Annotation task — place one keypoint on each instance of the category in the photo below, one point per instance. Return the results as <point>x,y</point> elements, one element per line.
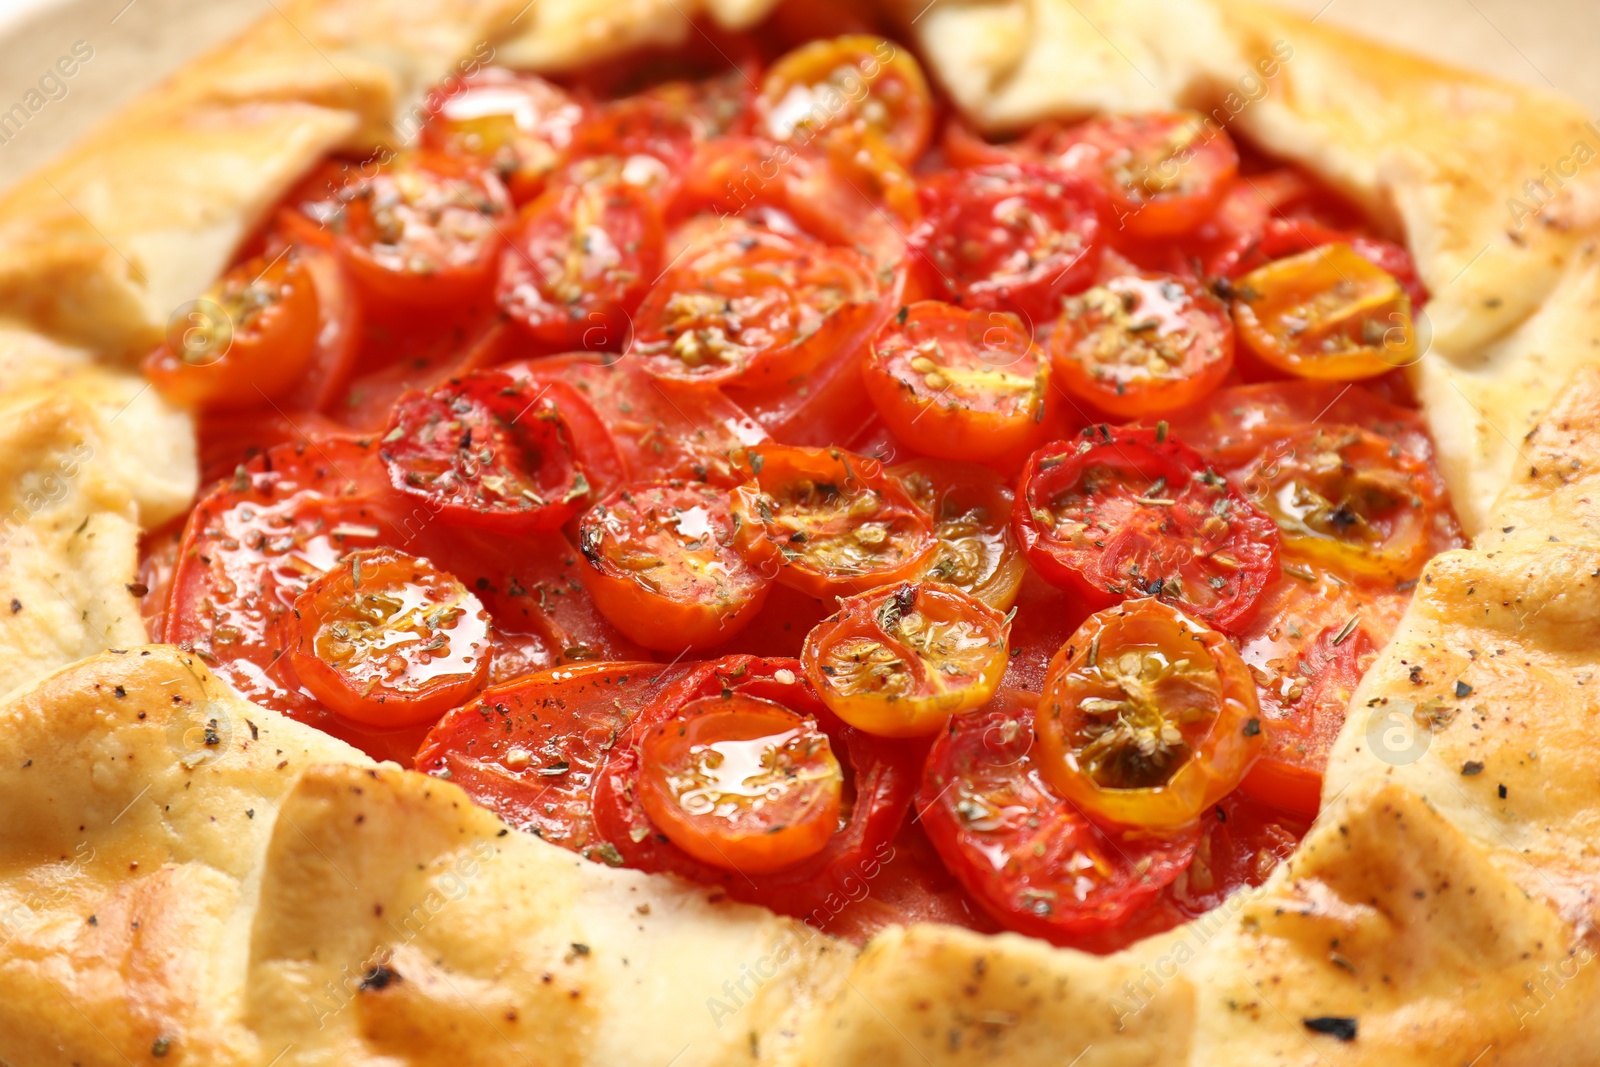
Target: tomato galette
<point>755,475</point>
<point>919,512</point>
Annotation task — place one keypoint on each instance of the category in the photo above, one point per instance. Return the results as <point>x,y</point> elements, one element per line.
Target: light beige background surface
<point>1554,43</point>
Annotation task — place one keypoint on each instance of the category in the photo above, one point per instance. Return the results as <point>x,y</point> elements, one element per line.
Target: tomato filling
<point>765,479</point>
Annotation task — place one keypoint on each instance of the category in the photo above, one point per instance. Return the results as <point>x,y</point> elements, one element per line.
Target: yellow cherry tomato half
<point>899,661</point>
<point>859,87</point>
<point>1347,499</point>
<point>1327,314</point>
<point>1148,717</point>
<point>741,783</point>
<point>387,639</point>
<point>828,522</point>
<point>971,508</point>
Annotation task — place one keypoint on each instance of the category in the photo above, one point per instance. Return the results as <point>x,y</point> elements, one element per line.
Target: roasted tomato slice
<point>663,569</point>
<point>1140,345</point>
<point>832,522</point>
<point>518,125</point>
<point>387,639</point>
<point>1014,237</point>
<point>1328,313</point>
<point>741,783</point>
<point>1165,173</point>
<point>580,262</point>
<point>752,308</point>
<point>1148,717</point>
<point>859,87</point>
<point>900,660</point>
<point>1304,692</point>
<point>1028,855</point>
<point>423,230</point>
<point>1134,512</point>
<point>971,510</point>
<point>663,430</point>
<point>957,384</point>
<point>529,750</point>
<point>1344,498</point>
<point>247,341</point>
<point>487,451</point>
<point>648,140</point>
<point>1350,479</point>
<point>879,778</point>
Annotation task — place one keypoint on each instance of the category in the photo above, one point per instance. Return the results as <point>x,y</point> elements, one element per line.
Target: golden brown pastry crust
<point>1451,921</point>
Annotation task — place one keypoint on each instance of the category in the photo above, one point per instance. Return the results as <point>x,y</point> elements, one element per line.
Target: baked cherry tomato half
<point>1014,237</point>
<point>1305,692</point>
<point>1142,344</point>
<point>750,308</point>
<point>663,430</point>
<point>1148,717</point>
<point>487,451</point>
<point>422,230</point>
<point>858,87</point>
<point>1164,173</point>
<point>663,569</point>
<point>1346,499</point>
<point>1328,313</point>
<point>580,261</point>
<point>1026,853</point>
<point>829,521</point>
<point>648,141</point>
<point>879,779</point>
<point>1133,512</point>
<point>971,510</point>
<point>900,660</point>
<point>247,340</point>
<point>741,783</point>
<point>529,750</point>
<point>388,639</point>
<point>517,125</point>
<point>957,384</point>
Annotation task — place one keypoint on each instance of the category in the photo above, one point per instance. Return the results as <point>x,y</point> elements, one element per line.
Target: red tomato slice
<point>664,430</point>
<point>530,750</point>
<point>905,883</point>
<point>254,544</point>
<point>388,640</point>
<point>247,341</point>
<point>663,568</point>
<point>1140,345</point>
<point>1014,237</point>
<point>490,452</point>
<point>1028,856</point>
<point>1165,173</point>
<point>647,140</point>
<point>900,660</point>
<point>1304,695</point>
<point>1134,512</point>
<point>423,230</point>
<point>338,335</point>
<point>957,384</point>
<point>1148,718</point>
<point>579,263</point>
<point>740,783</point>
<point>517,125</point>
<point>755,307</point>
<point>880,777</point>
<point>829,522</point>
